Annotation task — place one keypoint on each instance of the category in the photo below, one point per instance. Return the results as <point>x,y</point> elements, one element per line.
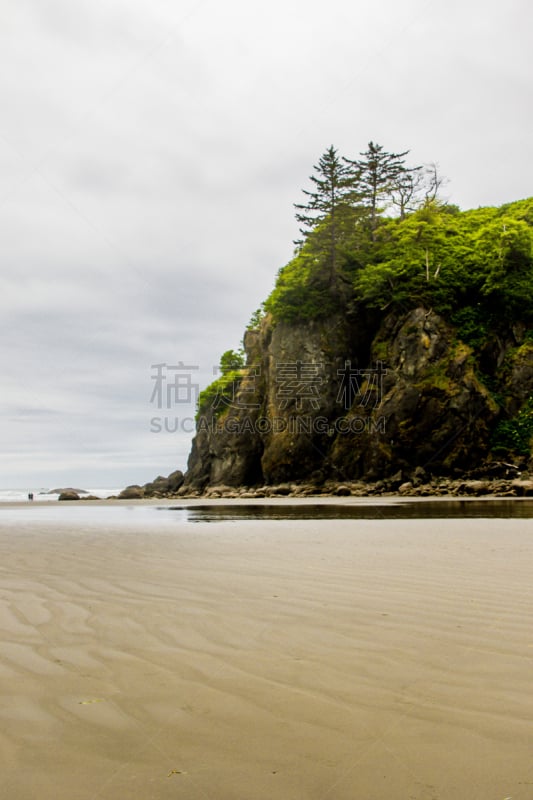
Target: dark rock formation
<point>396,399</point>
<point>162,487</point>
<point>133,492</point>
<point>159,487</point>
<point>68,494</point>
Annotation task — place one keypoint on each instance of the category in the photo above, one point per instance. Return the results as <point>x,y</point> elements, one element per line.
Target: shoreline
<point>189,501</point>
<point>478,484</point>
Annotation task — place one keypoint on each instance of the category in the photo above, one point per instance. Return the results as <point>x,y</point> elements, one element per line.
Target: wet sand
<point>311,660</point>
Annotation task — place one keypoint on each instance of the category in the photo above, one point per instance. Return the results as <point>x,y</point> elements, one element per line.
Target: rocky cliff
<point>365,397</point>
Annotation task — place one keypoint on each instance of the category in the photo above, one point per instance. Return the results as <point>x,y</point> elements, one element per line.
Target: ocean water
<point>42,494</point>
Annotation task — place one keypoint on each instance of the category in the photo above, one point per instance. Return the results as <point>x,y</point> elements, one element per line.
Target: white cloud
<point>150,154</point>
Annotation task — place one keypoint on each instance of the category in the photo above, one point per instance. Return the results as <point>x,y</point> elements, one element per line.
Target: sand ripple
<point>350,660</point>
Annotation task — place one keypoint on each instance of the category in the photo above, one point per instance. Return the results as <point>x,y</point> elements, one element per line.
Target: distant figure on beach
<point>30,496</point>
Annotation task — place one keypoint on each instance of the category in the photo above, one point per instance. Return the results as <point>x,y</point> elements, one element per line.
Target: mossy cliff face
<point>434,412</point>
<point>360,399</point>
<point>517,375</point>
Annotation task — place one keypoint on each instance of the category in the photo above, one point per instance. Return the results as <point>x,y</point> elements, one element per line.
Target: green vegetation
<point>255,320</point>
<point>323,214</point>
<point>473,266</point>
<point>220,394</point>
<point>380,175</point>
<point>515,435</point>
<point>471,325</point>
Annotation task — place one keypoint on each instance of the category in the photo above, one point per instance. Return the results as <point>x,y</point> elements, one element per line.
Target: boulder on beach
<point>133,492</point>
<point>68,494</point>
<point>164,486</point>
<point>175,480</point>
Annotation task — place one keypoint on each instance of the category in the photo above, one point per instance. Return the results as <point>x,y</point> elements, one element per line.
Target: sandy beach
<point>266,660</point>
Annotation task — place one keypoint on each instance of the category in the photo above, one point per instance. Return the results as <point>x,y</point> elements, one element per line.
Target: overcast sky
<point>151,151</point>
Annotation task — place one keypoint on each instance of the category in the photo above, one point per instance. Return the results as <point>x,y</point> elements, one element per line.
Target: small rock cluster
<point>158,488</point>
<point>497,479</point>
<point>74,494</point>
<point>489,482</point>
<point>518,487</point>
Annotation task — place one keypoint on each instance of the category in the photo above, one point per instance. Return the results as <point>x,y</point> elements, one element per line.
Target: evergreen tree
<point>326,205</point>
<point>377,175</point>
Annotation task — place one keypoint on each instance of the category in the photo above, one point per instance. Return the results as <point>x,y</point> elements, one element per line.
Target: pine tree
<point>332,191</point>
<point>377,175</point>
